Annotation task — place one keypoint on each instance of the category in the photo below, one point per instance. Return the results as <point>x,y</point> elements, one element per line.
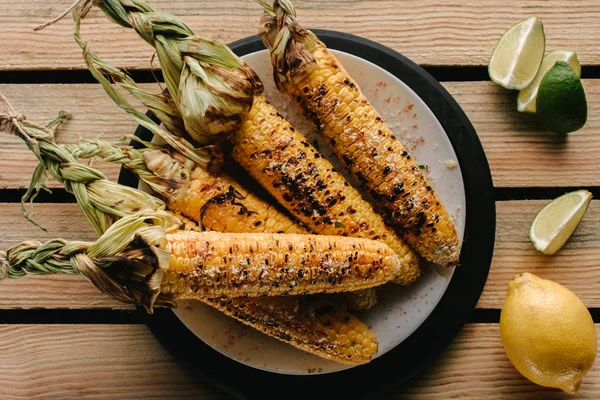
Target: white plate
<point>401,310</point>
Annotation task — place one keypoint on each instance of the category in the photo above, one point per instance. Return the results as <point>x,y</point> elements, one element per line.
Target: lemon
<point>555,223</point>
<point>547,332</point>
<point>518,55</point>
<point>528,96</point>
<point>561,103</point>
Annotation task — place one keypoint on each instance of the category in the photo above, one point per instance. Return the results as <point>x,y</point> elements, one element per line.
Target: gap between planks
<point>520,154</point>
<point>430,32</point>
<point>126,361</point>
<point>575,266</point>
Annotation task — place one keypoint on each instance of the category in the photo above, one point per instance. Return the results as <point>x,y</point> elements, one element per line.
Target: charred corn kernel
<point>383,166</point>
<point>307,185</point>
<point>220,204</point>
<point>312,326</point>
<point>277,264</point>
<point>306,70</point>
<point>281,317</point>
<point>308,323</point>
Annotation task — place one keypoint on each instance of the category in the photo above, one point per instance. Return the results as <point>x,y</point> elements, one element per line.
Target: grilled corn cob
<point>310,74</point>
<point>307,325</point>
<point>216,201</point>
<point>221,206</point>
<point>211,264</point>
<point>307,185</point>
<point>318,327</point>
<point>360,218</point>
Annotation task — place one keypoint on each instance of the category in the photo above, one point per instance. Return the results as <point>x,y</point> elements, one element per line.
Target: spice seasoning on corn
<point>297,329</point>
<point>338,209</point>
<point>305,69</point>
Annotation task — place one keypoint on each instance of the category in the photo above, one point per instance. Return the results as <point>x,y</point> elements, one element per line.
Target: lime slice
<point>561,103</point>
<point>555,223</point>
<point>527,96</point>
<point>518,54</point>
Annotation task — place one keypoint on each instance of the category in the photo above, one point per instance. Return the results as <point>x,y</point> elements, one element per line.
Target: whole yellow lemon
<point>547,332</point>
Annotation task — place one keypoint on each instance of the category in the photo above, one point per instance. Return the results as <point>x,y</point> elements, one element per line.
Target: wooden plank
<point>125,361</point>
<point>91,362</point>
<point>93,114</point>
<point>431,32</point>
<point>475,366</point>
<point>575,266</point>
<point>519,153</point>
<point>57,291</point>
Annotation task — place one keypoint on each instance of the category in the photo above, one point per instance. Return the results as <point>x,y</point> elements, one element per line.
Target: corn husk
<point>290,45</point>
<point>209,157</point>
<point>164,172</point>
<point>127,262</point>
<point>101,200</point>
<point>210,88</point>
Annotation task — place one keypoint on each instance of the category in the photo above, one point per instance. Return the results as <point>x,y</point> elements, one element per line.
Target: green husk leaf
<point>127,262</point>
<point>100,200</point>
<point>290,44</point>
<point>210,86</point>
<point>207,157</point>
<point>168,178</point>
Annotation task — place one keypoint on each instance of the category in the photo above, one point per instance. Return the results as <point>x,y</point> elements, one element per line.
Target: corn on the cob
<point>219,203</point>
<point>215,200</point>
<point>306,326</point>
<point>211,264</point>
<point>358,136</point>
<point>364,224</point>
<point>318,327</point>
<point>292,170</point>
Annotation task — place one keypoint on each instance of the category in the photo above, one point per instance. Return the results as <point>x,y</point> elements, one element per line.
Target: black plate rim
<point>452,312</point>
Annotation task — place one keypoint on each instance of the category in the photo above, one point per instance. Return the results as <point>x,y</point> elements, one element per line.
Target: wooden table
<point>60,338</point>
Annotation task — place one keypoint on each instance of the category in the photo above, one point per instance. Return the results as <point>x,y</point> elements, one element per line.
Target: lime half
<point>518,55</point>
<point>561,103</point>
<point>555,223</point>
<point>527,96</point>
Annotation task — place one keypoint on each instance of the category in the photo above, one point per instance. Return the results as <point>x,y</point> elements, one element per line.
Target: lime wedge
<point>561,103</point>
<point>527,96</point>
<point>555,223</point>
<point>518,55</point>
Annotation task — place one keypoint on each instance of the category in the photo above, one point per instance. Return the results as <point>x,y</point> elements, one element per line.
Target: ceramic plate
<point>401,310</point>
<point>428,121</point>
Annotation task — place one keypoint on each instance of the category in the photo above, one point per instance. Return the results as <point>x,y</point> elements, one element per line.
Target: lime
<point>518,55</point>
<point>527,96</point>
<point>561,102</point>
<point>555,223</point>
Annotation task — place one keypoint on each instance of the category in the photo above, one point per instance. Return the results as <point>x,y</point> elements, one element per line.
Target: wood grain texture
<point>431,32</point>
<point>125,361</point>
<point>93,115</point>
<point>56,291</point>
<point>475,366</point>
<point>575,265</point>
<point>92,362</point>
<point>519,153</point>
